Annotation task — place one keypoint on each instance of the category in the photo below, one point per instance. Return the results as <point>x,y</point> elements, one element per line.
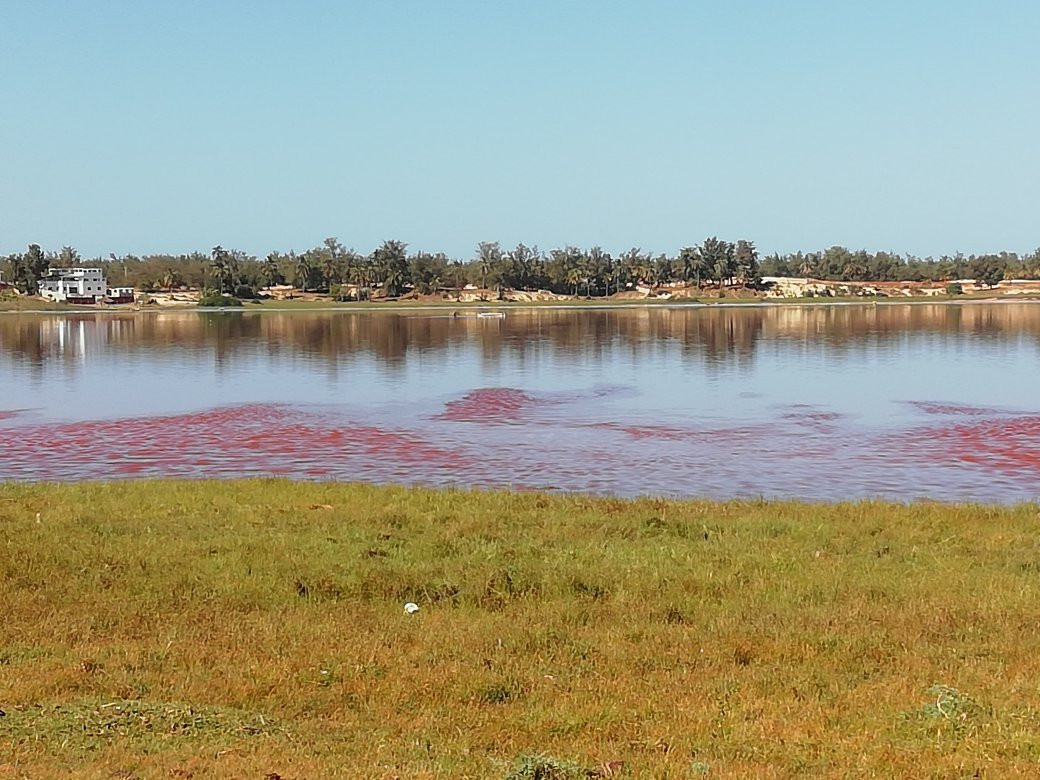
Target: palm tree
<point>270,272</point>
<point>393,281</point>
<point>745,257</point>
<point>359,274</point>
<point>458,276</point>
<point>574,278</point>
<point>854,270</point>
<point>331,266</point>
<point>170,279</point>
<point>391,262</point>
<point>350,259</point>
<point>618,275</point>
<point>489,256</point>
<point>303,271</point>
<point>718,257</point>
<point>224,266</point>
<point>691,264</point>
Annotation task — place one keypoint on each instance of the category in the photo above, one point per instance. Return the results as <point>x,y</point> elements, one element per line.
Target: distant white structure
<point>74,285</point>
<point>82,285</point>
<point>120,294</point>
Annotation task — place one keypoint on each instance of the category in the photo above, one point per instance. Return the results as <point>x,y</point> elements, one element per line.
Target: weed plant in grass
<point>246,629</point>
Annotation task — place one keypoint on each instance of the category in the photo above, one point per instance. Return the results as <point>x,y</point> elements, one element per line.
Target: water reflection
<point>717,336</point>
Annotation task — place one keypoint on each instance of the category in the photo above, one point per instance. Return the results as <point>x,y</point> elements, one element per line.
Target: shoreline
<point>392,307</point>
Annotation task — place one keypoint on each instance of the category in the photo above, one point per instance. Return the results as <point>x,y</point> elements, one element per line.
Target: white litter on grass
<point>411,607</point>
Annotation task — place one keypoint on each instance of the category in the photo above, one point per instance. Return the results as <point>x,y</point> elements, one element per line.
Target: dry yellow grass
<point>255,629</point>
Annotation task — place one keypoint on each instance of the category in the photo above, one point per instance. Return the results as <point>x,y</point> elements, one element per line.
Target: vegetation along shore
<point>257,629</point>
<point>713,269</point>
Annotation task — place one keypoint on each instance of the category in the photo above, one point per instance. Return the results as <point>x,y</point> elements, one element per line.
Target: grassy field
<point>256,630</point>
<point>12,303</point>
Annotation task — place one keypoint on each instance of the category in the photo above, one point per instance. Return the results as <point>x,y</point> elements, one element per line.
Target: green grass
<point>37,304</point>
<point>248,629</point>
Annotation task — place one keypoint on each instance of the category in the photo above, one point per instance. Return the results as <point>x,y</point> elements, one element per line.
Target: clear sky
<point>143,127</point>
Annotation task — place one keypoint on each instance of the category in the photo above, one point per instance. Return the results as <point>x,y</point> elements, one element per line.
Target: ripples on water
<point>687,403</point>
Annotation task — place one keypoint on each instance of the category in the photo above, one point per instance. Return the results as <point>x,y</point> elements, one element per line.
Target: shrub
<point>213,298</point>
<point>546,768</point>
<point>954,288</point>
<point>340,292</point>
<point>500,692</point>
<point>950,704</point>
<point>245,292</point>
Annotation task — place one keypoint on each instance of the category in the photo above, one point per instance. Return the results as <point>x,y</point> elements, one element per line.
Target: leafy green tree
<point>635,265</point>
<point>303,270</point>
<point>332,266</point>
<point>271,271</point>
<point>1031,265</point>
<point>391,262</point>
<point>664,269</point>
<point>832,262</point>
<point>806,264</point>
<point>558,268</point>
<point>691,265</point>
<point>18,275</point>
<point>456,275</point>
<point>617,275</point>
<point>882,268</point>
<point>523,267</point>
<point>719,257</point>
<point>426,271</point>
<point>170,279</point>
<point>359,277</point>
<point>857,267</point>
<point>68,257</point>
<point>595,269</point>
<point>36,262</point>
<point>28,269</point>
<point>989,270</point>
<point>745,257</point>
<point>225,267</point>
<point>489,257</point>
<point>574,278</point>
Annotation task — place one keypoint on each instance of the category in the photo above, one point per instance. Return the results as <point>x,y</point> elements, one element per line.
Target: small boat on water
<point>497,315</point>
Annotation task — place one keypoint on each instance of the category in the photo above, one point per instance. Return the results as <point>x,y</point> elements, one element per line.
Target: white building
<point>78,285</point>
<point>121,294</point>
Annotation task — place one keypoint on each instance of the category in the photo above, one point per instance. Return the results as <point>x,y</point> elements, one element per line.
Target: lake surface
<point>828,403</point>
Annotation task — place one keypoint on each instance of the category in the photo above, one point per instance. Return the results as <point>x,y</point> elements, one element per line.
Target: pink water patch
<point>559,442</point>
<point>233,441</point>
<point>1008,446</point>
<point>492,405</point>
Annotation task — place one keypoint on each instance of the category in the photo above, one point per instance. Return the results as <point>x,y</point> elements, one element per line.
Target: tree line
<point>392,270</point>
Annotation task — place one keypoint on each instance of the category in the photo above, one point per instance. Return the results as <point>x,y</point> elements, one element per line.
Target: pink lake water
<point>819,403</point>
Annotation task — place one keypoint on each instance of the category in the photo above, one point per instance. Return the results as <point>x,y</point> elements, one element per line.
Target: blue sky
<point>173,126</point>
